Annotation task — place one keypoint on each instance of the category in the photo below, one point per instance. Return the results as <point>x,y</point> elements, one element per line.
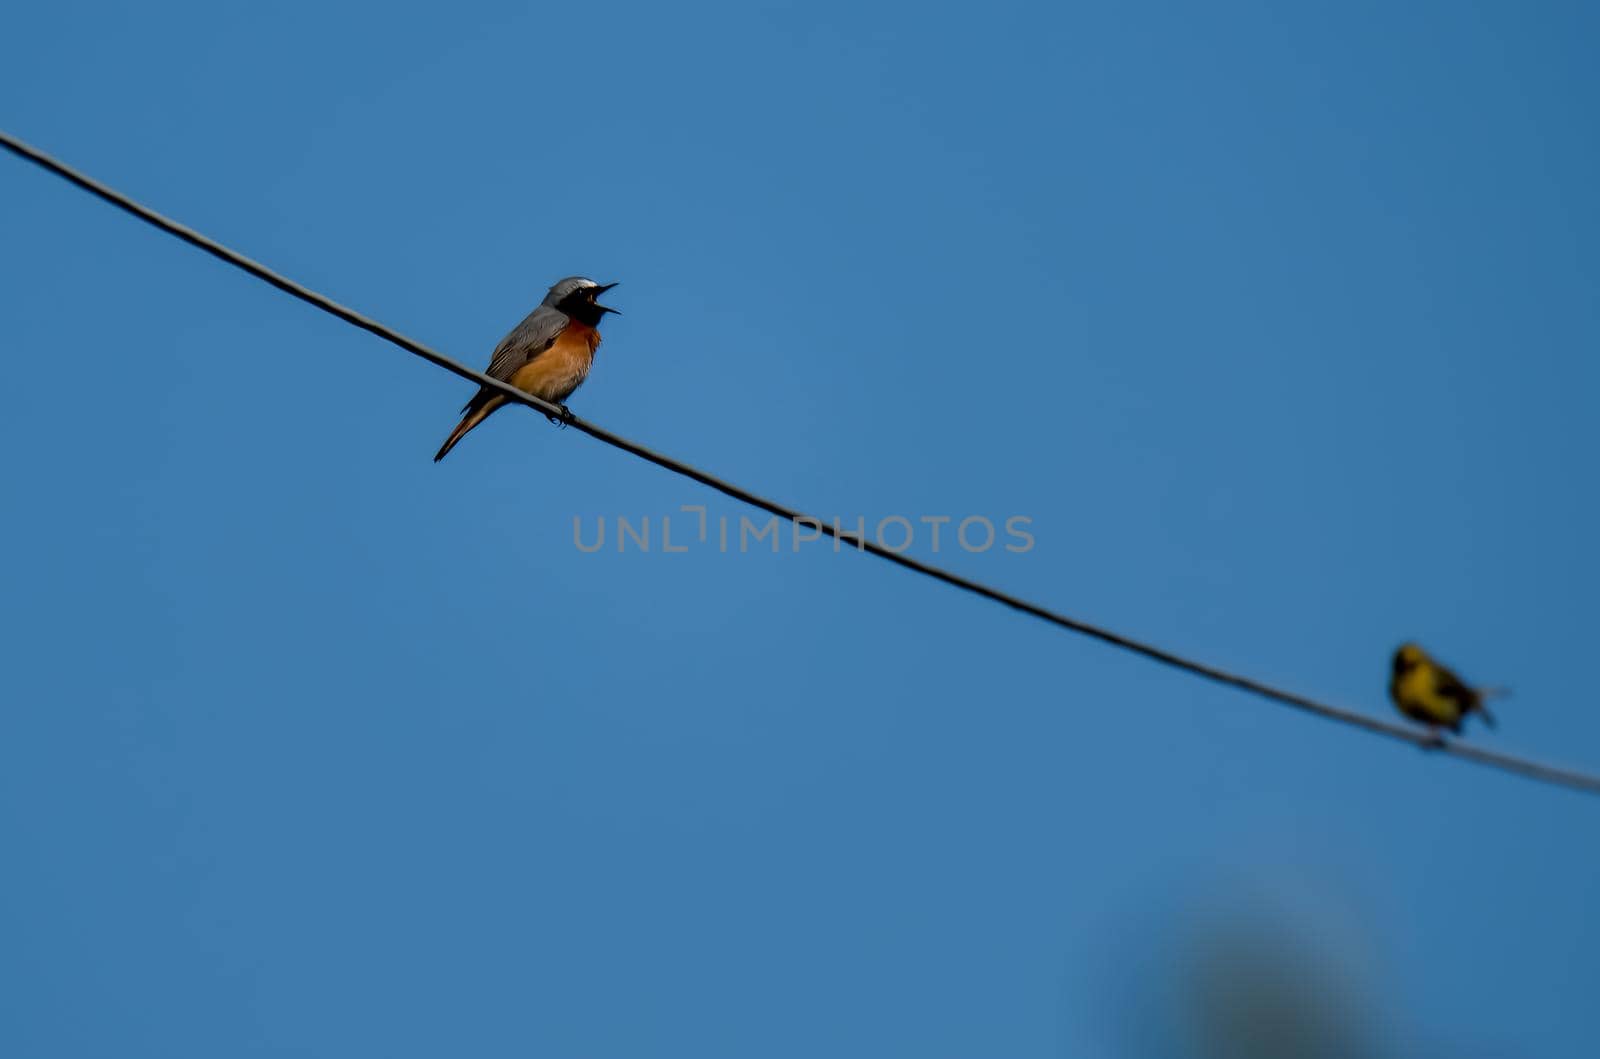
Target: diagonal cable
<point>1428,741</point>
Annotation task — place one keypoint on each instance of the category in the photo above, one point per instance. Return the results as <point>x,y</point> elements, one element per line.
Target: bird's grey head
<point>576,296</point>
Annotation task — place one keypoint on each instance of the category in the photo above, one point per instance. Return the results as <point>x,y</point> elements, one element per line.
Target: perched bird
<point>547,355</point>
<point>1426,691</point>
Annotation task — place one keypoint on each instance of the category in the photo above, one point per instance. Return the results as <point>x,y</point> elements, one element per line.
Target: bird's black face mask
<point>583,305</point>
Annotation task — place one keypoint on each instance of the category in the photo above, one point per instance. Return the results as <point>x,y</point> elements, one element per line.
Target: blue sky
<point>1279,325</point>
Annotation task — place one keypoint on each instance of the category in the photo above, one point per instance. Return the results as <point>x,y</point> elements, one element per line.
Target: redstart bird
<point>547,355</point>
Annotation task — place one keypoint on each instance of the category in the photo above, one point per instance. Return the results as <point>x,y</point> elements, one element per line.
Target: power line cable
<point>1428,741</point>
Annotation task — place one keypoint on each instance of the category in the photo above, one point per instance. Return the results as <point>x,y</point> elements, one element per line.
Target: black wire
<point>1426,740</point>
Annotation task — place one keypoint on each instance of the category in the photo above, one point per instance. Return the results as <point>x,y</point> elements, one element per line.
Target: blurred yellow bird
<point>1426,691</point>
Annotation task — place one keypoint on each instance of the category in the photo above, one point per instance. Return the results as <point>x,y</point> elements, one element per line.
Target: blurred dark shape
<point>1266,971</point>
<point>1249,990</point>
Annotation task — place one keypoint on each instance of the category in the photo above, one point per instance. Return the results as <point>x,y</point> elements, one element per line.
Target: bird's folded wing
<point>527,340</point>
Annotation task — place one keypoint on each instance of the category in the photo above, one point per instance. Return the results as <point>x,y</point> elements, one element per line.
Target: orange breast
<point>576,332</point>
<point>559,370</point>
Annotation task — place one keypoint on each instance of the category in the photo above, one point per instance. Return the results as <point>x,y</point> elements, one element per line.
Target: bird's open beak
<point>605,308</point>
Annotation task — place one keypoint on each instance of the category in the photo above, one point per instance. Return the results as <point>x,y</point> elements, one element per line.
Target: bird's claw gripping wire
<point>563,419</point>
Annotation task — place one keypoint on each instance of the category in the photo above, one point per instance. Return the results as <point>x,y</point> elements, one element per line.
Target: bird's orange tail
<point>473,417</point>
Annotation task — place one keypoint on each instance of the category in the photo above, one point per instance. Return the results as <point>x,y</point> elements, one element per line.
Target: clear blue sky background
<point>1280,324</point>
